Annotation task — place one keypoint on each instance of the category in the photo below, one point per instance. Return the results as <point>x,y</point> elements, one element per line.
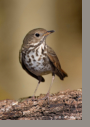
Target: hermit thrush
<point>38,59</point>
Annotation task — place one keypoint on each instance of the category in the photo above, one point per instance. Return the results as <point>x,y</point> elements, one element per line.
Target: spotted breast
<point>37,61</point>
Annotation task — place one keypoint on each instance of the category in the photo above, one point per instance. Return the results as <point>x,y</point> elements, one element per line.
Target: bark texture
<point>64,105</point>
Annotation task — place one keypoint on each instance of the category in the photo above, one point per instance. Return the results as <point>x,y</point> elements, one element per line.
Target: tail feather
<point>61,74</point>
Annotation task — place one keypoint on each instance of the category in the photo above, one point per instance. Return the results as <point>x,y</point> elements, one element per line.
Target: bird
<point>38,59</point>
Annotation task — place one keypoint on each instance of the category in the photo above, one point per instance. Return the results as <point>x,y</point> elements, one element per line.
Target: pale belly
<point>37,63</point>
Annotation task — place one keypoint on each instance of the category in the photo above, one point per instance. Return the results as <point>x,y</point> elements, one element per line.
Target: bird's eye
<point>37,34</point>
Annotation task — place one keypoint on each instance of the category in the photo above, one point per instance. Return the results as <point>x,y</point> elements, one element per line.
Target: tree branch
<point>64,105</point>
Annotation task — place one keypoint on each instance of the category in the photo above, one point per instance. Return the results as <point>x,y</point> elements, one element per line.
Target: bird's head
<point>36,36</point>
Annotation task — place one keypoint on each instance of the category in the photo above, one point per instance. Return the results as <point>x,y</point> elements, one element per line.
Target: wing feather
<point>55,61</point>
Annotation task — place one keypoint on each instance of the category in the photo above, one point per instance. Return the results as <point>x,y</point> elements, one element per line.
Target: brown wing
<point>54,59</point>
<point>30,73</point>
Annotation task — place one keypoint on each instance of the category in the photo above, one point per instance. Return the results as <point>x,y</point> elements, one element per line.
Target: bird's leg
<point>33,98</point>
<point>47,95</point>
<point>53,77</point>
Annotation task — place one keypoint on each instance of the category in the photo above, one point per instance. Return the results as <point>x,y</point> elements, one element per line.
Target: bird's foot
<point>46,97</point>
<point>33,98</point>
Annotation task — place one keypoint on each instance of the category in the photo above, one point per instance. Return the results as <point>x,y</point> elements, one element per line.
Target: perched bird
<point>38,59</point>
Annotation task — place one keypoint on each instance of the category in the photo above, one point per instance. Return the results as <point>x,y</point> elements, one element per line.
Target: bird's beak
<point>49,32</point>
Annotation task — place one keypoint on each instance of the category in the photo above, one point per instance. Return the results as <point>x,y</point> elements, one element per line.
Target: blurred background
<point>17,17</point>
